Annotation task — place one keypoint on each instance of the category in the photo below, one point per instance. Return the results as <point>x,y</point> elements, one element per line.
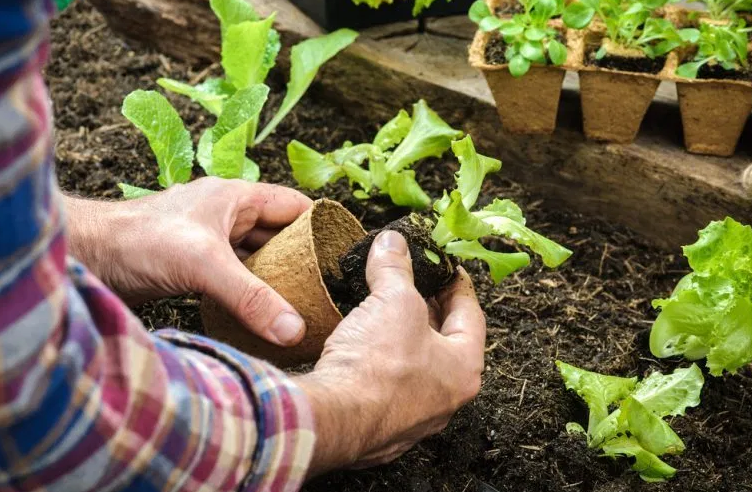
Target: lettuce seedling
<point>458,229</point>
<point>221,149</point>
<point>724,45</point>
<point>626,416</point>
<point>529,37</point>
<point>400,144</point>
<point>250,46</point>
<point>726,9</point>
<point>629,25</point>
<point>418,7</point>
<point>709,314</point>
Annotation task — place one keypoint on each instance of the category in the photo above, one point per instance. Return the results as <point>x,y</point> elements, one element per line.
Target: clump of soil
<point>431,275</point>
<point>594,311</point>
<point>626,63</point>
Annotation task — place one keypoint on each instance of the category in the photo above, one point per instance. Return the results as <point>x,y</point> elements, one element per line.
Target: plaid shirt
<point>89,400</point>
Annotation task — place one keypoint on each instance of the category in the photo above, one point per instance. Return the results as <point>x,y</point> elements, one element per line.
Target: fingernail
<point>287,328</point>
<point>392,241</point>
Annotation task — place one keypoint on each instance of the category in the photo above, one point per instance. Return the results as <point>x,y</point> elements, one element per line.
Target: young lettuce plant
<point>635,428</point>
<point>418,7</point>
<point>529,37</point>
<point>221,150</point>
<point>709,314</point>
<point>726,9</point>
<point>250,46</point>
<point>400,144</point>
<point>724,45</point>
<point>458,229</point>
<point>629,26</point>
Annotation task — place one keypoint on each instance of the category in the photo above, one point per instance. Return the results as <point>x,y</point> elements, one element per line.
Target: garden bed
<point>594,311</point>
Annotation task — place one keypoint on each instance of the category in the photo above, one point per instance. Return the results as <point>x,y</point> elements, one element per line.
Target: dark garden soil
<point>716,71</point>
<point>626,63</point>
<point>594,311</point>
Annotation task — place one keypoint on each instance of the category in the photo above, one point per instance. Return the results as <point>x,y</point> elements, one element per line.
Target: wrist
<point>346,420</point>
<point>95,229</point>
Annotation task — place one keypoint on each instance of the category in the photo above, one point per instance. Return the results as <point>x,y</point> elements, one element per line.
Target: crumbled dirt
<point>716,71</point>
<point>430,275</point>
<point>594,311</point>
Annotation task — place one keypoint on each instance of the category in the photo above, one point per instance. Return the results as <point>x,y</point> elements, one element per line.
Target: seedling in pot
<point>721,10</point>
<point>709,314</point>
<point>632,31</point>
<point>418,7</point>
<point>400,145</point>
<point>250,46</point>
<point>454,233</point>
<point>721,50</point>
<point>635,427</point>
<point>528,37</point>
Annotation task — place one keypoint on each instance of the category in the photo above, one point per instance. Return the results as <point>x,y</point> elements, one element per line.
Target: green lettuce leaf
<point>210,94</point>
<point>652,432</point>
<point>243,60</point>
<point>598,390</point>
<point>305,60</point>
<point>501,265</point>
<point>231,12</point>
<point>670,394</point>
<point>133,192</point>
<point>552,253</point>
<point>310,168</point>
<point>406,192</point>
<point>458,223</point>
<point>222,149</point>
<point>429,136</point>
<point>473,170</point>
<point>168,138</point>
<point>648,465</point>
<point>394,131</point>
<point>708,314</point>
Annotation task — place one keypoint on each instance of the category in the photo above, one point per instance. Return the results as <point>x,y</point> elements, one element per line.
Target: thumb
<point>256,305</point>
<point>389,263</point>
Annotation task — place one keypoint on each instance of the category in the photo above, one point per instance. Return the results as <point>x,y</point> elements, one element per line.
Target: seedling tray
<point>333,14</point>
<point>614,102</point>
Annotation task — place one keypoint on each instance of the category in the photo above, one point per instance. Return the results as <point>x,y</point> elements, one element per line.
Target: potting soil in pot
<point>594,311</point>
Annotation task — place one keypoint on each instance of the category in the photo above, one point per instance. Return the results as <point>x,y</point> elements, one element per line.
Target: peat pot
<point>614,101</point>
<point>526,105</point>
<point>295,263</point>
<point>333,14</point>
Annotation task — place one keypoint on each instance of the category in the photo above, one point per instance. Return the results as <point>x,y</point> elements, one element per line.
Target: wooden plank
<point>652,185</point>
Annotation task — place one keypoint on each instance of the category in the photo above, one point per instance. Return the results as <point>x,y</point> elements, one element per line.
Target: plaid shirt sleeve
<point>89,400</point>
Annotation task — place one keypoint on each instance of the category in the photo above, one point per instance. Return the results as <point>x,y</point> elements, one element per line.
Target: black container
<point>333,14</point>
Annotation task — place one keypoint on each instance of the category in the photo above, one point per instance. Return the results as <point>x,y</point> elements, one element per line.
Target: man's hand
<point>185,239</point>
<point>395,370</point>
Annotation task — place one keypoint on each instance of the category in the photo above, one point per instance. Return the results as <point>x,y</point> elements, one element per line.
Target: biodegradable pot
<point>713,111</point>
<point>333,14</point>
<point>526,105</point>
<point>294,263</point>
<point>614,102</point>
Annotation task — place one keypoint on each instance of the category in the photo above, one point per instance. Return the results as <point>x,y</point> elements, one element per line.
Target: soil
<point>627,63</point>
<point>430,277</point>
<point>594,311</point>
<point>716,71</point>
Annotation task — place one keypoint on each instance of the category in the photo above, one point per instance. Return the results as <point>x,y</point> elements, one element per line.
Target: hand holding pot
<point>393,372</point>
<point>185,239</point>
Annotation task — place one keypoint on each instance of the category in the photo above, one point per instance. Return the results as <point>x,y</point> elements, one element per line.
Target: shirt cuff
<point>284,418</point>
